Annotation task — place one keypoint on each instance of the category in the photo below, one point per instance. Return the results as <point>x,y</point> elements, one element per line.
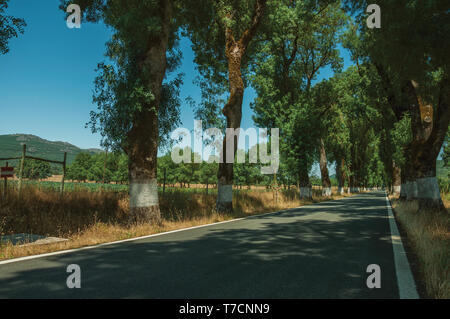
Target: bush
<point>444,185</point>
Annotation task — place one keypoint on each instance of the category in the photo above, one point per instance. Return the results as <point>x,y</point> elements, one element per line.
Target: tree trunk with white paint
<point>340,174</point>
<point>142,139</point>
<point>429,127</point>
<point>411,190</point>
<point>305,184</point>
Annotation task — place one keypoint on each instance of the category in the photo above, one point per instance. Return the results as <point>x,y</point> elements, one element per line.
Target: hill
<point>11,146</point>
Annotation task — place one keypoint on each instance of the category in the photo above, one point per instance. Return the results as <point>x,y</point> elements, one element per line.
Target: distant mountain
<point>11,146</point>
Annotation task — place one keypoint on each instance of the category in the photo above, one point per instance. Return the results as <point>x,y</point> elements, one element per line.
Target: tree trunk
<point>349,181</point>
<point>340,174</point>
<point>326,183</point>
<point>142,140</point>
<point>305,184</point>
<point>429,127</point>
<point>409,178</point>
<point>396,178</point>
<point>233,114</point>
<point>354,184</point>
<point>234,51</point>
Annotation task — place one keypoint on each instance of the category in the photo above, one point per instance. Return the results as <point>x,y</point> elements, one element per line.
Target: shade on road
<point>315,251</point>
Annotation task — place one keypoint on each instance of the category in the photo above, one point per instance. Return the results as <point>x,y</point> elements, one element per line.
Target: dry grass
<point>428,233</point>
<point>89,218</point>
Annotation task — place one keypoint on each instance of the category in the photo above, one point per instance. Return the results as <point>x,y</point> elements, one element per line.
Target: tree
<point>222,33</point>
<point>80,168</point>
<point>10,27</point>
<point>101,167</point>
<point>207,174</point>
<point>136,107</point>
<point>410,53</point>
<point>120,175</point>
<point>301,38</point>
<point>324,101</point>
<point>36,170</point>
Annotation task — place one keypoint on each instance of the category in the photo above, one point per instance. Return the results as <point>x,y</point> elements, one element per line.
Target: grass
<point>428,233</point>
<point>88,218</point>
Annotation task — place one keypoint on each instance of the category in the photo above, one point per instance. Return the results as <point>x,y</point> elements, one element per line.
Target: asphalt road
<point>316,251</point>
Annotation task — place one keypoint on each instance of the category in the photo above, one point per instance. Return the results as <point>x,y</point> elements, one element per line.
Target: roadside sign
<point>7,172</point>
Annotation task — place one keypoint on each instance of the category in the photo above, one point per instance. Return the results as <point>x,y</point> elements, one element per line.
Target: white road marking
<point>405,280</point>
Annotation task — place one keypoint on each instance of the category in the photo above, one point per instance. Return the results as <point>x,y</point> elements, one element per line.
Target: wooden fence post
<point>164,184</point>
<point>64,174</point>
<point>22,161</point>
<point>5,183</point>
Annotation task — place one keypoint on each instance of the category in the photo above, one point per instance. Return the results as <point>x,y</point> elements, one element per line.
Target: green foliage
<point>300,39</point>
<point>207,24</point>
<point>400,136</point>
<point>413,39</point>
<point>111,167</point>
<point>79,169</point>
<point>33,169</point>
<point>10,27</point>
<point>444,184</point>
<point>446,155</point>
<point>186,173</point>
<point>412,44</point>
<point>122,91</point>
<point>207,174</point>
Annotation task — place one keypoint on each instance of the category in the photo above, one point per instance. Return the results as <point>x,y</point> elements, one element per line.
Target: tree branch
<point>257,17</point>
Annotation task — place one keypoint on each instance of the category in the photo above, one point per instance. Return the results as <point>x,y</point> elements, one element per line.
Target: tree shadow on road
<point>320,252</point>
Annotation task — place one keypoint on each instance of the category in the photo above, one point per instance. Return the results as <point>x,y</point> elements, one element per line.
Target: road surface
<point>315,251</point>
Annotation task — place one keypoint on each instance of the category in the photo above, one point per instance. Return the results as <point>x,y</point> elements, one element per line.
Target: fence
<point>25,156</point>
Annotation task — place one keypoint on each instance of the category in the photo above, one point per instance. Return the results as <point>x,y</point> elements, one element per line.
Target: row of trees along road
<point>382,121</point>
<point>407,62</point>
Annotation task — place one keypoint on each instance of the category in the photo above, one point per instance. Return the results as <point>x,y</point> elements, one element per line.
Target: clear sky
<point>47,77</point>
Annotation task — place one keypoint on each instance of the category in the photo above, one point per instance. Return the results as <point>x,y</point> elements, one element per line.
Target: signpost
<point>6,172</point>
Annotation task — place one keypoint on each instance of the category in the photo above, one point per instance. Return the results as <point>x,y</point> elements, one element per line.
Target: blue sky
<point>47,77</point>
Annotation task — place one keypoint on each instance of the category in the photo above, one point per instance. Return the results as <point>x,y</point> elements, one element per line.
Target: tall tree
<point>222,33</point>
<point>410,51</point>
<point>136,107</point>
<point>324,99</point>
<point>301,39</point>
